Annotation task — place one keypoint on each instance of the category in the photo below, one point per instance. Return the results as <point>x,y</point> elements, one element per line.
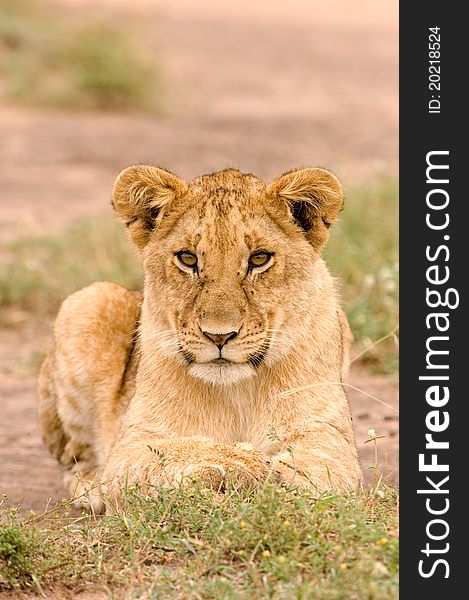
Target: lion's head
<point>232,265</point>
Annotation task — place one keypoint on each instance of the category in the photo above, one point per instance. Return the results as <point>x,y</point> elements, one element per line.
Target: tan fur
<point>268,404</point>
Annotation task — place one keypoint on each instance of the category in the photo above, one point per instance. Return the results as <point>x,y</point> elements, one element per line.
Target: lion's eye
<point>187,259</point>
<point>259,259</point>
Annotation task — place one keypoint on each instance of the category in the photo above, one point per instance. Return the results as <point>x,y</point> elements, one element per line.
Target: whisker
<point>168,344</point>
<point>164,331</point>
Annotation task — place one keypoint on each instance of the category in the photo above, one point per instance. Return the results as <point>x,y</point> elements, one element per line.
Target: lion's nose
<point>220,339</point>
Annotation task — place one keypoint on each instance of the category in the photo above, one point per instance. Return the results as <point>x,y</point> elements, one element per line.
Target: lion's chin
<point>222,373</point>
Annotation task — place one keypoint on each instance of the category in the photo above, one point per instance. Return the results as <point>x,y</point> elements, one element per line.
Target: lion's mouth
<point>255,360</point>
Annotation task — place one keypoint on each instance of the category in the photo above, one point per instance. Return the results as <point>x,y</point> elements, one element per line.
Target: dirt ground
<point>258,87</point>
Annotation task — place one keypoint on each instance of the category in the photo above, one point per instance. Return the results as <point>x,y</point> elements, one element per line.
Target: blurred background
<point>89,88</point>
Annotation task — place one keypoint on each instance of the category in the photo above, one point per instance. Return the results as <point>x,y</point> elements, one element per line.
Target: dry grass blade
<point>349,385</point>
<point>391,334</point>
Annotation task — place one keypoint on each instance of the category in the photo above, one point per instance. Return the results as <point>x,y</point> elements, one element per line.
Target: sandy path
<point>258,85</point>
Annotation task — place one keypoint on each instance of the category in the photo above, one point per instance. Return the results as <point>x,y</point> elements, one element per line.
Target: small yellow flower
<point>266,553</point>
<point>383,541</point>
<point>242,524</point>
<point>286,523</point>
<point>343,566</point>
<point>282,559</point>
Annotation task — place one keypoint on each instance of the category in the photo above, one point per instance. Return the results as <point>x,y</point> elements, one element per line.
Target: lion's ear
<point>314,198</point>
<point>140,193</point>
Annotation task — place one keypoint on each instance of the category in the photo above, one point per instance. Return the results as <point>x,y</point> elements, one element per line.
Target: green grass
<point>192,543</point>
<point>51,59</point>
<point>363,254</point>
<point>40,272</point>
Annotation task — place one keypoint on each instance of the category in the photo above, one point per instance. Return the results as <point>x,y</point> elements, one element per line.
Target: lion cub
<point>229,366</point>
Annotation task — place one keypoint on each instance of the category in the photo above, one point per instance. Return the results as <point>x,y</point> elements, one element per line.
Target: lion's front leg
<point>320,459</point>
<point>152,461</point>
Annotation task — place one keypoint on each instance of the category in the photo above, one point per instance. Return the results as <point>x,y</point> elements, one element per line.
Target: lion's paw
<point>221,467</point>
<point>229,467</point>
<point>85,490</point>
